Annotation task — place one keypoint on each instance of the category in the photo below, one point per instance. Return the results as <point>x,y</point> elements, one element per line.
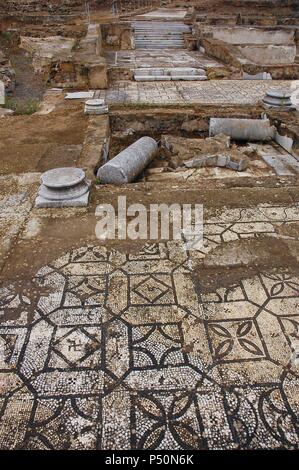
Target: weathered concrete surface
<point>127,165</point>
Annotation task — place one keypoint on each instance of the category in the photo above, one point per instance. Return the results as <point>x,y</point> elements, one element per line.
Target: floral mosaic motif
<point>123,351</point>
<point>281,284</point>
<point>166,422</point>
<point>235,340</point>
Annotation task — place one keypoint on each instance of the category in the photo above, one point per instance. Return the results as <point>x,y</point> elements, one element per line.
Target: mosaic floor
<point>231,92</point>
<point>122,351</point>
<point>153,58</point>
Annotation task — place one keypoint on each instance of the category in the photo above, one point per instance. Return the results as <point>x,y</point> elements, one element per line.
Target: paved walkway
<point>164,14</point>
<point>153,58</point>
<point>221,92</point>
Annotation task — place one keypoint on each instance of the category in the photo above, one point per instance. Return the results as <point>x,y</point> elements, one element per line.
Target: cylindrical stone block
<point>278,99</point>
<point>129,163</point>
<point>249,130</point>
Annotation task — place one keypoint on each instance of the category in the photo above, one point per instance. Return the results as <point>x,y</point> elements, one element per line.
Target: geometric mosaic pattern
<point>213,92</point>
<point>239,223</point>
<point>121,352</point>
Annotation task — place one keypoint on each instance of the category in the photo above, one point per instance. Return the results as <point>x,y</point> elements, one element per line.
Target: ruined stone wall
<point>263,3</point>
<point>29,6</point>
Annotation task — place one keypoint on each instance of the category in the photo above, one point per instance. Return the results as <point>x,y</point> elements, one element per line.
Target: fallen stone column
<point>129,163</point>
<point>249,130</point>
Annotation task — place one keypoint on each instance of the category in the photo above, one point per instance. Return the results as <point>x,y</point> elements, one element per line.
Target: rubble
<point>211,152</point>
<point>220,161</point>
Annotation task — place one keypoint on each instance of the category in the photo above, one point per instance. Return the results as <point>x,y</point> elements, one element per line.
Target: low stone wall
<point>96,145</point>
<point>120,35</point>
<point>269,54</point>
<point>246,35</point>
<point>68,64</point>
<point>44,50</point>
<point>220,50</point>
<point>232,56</point>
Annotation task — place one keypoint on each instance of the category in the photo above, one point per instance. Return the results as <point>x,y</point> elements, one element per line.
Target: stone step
<point>159,36</point>
<point>165,28</point>
<point>165,78</point>
<point>169,31</point>
<point>160,25</point>
<point>162,39</point>
<point>150,46</point>
<point>159,42</point>
<point>166,74</point>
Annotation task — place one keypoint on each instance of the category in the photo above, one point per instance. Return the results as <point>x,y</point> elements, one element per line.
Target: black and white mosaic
<point>121,352</point>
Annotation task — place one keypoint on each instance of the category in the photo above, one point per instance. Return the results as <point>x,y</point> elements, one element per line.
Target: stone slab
<point>63,177</point>
<point>81,95</point>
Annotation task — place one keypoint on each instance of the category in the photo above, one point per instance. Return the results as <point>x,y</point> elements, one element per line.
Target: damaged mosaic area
<point>123,351</point>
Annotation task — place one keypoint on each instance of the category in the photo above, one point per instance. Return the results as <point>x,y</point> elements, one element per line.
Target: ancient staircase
<point>160,34</point>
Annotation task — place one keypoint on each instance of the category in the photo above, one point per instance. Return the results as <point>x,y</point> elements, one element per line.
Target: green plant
<point>5,36</point>
<point>20,107</point>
